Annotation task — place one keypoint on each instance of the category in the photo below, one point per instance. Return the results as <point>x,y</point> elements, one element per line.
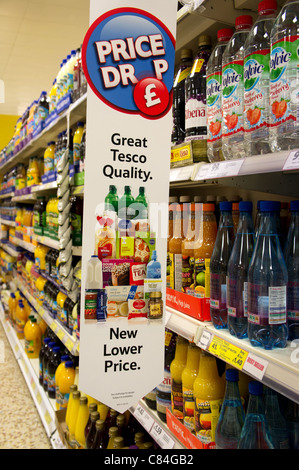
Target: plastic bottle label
<point>283,81</point>
<point>195,116</point>
<point>256,98</point>
<point>177,405</point>
<point>236,298</point>
<point>187,271</point>
<point>218,292</point>
<point>51,383</point>
<point>206,419</point>
<point>202,277</point>
<point>183,75</point>
<point>214,110</point>
<point>188,400</point>
<point>232,98</point>
<point>293,300</point>
<point>267,309</point>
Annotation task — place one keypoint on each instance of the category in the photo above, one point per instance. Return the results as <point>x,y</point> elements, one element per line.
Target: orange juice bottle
<point>203,249</point>
<point>58,374</point>
<point>175,249</point>
<point>188,249</point>
<point>189,375</point>
<point>172,204</point>
<point>81,423</point>
<point>12,305</point>
<point>66,379</point>
<point>73,388</point>
<point>21,318</point>
<point>74,414</point>
<point>176,368</point>
<point>208,390</point>
<point>33,338</point>
<point>27,307</point>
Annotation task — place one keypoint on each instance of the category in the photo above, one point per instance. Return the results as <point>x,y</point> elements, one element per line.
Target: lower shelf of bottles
<point>30,371</point>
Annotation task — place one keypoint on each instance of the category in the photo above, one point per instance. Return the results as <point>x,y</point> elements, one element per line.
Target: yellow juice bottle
<point>66,379</point>
<point>73,388</point>
<point>208,390</point>
<point>58,374</point>
<point>12,304</point>
<point>189,375</point>
<point>82,420</point>
<point>176,369</point>
<point>33,338</point>
<point>74,414</point>
<point>21,318</point>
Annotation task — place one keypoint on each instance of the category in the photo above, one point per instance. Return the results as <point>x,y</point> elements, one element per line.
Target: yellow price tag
<point>228,352</point>
<point>48,417</point>
<point>39,398</point>
<point>53,326</point>
<point>69,344</point>
<point>60,334</point>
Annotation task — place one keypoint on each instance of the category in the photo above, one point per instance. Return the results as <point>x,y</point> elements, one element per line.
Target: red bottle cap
<point>243,21</point>
<point>224,34</point>
<point>266,5</point>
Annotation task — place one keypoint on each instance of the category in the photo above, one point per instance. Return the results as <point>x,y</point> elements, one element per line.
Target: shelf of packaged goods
<point>46,188</point>
<point>9,249</point>
<point>43,240</point>
<point>7,195</point>
<point>30,370</point>
<point>156,428</point>
<point>10,223</point>
<point>26,198</point>
<point>75,112</point>
<point>277,368</point>
<point>26,245</point>
<point>65,337</point>
<point>269,173</point>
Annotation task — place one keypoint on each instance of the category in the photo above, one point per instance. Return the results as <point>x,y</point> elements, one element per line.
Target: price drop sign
<point>128,58</point>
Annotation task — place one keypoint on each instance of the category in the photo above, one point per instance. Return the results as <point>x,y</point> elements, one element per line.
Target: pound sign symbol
<point>149,96</point>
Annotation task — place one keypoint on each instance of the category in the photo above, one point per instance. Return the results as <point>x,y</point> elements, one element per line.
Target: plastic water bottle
<point>218,266</point>
<point>291,256</point>
<point>178,106</point>
<point>237,272</point>
<point>276,422</point>
<point>214,110</point>
<point>233,91</point>
<point>284,121</point>
<point>291,414</point>
<point>255,432</point>
<point>267,284</point>
<point>232,416</point>
<point>257,80</point>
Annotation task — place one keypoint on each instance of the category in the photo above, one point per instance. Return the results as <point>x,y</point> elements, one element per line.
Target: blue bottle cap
<point>294,205</point>
<point>255,388</point>
<point>232,375</point>
<point>47,340</point>
<point>270,206</point>
<point>80,124</point>
<point>65,358</point>
<point>56,349</point>
<point>52,344</point>
<point>225,206</point>
<point>69,364</point>
<point>245,206</point>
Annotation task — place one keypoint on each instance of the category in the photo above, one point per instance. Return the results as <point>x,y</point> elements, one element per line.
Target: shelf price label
<point>143,417</point>
<point>161,437</point>
<point>228,352</point>
<point>292,161</point>
<point>223,169</point>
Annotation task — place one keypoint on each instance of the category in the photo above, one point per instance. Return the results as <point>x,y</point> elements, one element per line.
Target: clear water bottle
<point>267,284</point>
<point>255,432</point>
<point>291,414</point>
<point>291,256</point>
<point>214,110</point>
<point>284,121</point>
<point>218,266</point>
<point>233,91</point>
<point>195,101</point>
<point>237,273</point>
<point>232,416</point>
<point>257,80</point>
<point>276,422</point>
<point>178,106</point>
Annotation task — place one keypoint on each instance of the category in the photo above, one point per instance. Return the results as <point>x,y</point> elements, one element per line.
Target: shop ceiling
<point>35,36</point>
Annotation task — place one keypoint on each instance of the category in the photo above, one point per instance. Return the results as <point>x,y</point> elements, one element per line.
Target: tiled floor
<point>20,424</point>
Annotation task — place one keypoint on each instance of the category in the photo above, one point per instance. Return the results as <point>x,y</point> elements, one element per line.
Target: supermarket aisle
<point>20,424</point>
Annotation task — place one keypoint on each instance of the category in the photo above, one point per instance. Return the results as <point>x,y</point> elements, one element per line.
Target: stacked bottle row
<point>237,100</point>
<point>92,425</point>
<point>222,406</point>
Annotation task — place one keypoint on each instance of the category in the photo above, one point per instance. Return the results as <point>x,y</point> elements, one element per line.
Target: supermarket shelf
<point>6,195</point>
<point>30,198</point>
<point>47,241</point>
<point>26,245</point>
<point>66,338</point>
<point>78,190</point>
<point>30,370</point>
<point>9,249</point>
<point>157,429</point>
<point>44,188</point>
<point>278,368</point>
<point>77,250</point>
<point>11,223</point>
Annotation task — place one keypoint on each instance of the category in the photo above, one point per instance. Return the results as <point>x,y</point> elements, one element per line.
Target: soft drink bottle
<point>257,79</point>
<point>214,110</point>
<point>178,106</point>
<point>291,256</point>
<point>255,432</point>
<point>233,91</point>
<point>195,101</point>
<point>276,422</point>
<point>232,416</point>
<point>267,284</point>
<point>237,272</point>
<point>218,265</point>
<point>284,122</point>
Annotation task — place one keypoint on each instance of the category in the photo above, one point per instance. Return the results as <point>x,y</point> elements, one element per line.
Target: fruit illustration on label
<point>215,127</point>
<point>231,121</point>
<point>254,115</point>
<point>279,108</point>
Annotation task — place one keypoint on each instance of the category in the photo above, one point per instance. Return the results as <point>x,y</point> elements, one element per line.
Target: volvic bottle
<point>218,266</point>
<point>178,106</point>
<point>267,285</point>
<point>255,432</point>
<point>195,101</point>
<point>276,422</point>
<point>291,256</point>
<point>284,122</point>
<point>233,91</point>
<point>232,416</point>
<point>256,80</point>
<point>214,101</point>
<point>237,272</point>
